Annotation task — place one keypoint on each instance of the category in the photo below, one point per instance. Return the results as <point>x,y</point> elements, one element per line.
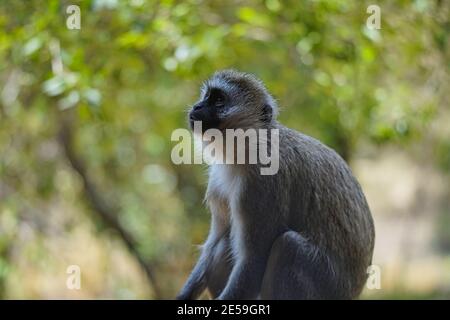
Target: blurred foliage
<point>126,78</point>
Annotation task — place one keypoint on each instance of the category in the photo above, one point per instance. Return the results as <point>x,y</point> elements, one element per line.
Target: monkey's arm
<point>253,242</point>
<point>250,264</point>
<point>197,281</point>
<point>245,279</point>
<point>256,223</point>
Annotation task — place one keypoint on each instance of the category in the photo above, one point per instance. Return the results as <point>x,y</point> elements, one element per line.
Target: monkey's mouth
<point>193,118</point>
<point>205,124</point>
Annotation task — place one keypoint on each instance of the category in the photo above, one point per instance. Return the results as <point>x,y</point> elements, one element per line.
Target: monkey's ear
<point>267,113</point>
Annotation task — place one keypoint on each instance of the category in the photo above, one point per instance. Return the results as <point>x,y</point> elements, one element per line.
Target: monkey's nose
<point>197,107</point>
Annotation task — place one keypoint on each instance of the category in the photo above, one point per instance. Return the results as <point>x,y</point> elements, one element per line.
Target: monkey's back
<point>326,204</point>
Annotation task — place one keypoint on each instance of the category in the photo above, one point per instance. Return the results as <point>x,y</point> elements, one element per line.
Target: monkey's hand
<point>190,291</point>
<point>195,284</point>
<point>244,282</point>
<point>184,296</point>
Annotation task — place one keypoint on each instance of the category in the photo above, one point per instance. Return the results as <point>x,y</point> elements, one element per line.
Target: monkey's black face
<point>210,109</point>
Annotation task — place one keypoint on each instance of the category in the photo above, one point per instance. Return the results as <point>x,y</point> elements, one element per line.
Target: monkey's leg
<point>220,267</point>
<point>296,269</point>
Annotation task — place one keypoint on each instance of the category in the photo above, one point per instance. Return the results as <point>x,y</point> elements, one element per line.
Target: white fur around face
<point>226,183</point>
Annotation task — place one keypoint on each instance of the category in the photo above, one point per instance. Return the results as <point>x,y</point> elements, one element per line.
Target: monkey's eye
<point>216,98</point>
<point>219,102</point>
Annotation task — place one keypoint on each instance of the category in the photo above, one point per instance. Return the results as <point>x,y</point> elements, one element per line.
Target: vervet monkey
<point>305,232</point>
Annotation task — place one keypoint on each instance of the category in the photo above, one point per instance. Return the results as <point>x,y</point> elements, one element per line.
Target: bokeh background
<point>86,117</point>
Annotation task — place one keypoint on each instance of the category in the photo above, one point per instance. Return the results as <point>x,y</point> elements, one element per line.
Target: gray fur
<point>303,233</point>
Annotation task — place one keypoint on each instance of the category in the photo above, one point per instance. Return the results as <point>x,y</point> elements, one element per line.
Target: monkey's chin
<point>204,126</point>
<point>193,126</point>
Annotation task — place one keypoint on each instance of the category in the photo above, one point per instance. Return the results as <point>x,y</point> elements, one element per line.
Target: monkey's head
<point>232,100</point>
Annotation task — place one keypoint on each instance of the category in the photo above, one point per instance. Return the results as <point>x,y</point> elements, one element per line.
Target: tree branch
<point>106,211</point>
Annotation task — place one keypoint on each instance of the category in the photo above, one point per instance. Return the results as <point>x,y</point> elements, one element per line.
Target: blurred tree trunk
<point>106,211</point>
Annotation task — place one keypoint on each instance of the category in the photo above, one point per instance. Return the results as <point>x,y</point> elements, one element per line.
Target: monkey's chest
<point>226,183</point>
<point>225,188</point>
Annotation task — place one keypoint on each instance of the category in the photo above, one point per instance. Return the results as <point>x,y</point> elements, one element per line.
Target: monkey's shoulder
<point>309,164</point>
<point>299,148</point>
